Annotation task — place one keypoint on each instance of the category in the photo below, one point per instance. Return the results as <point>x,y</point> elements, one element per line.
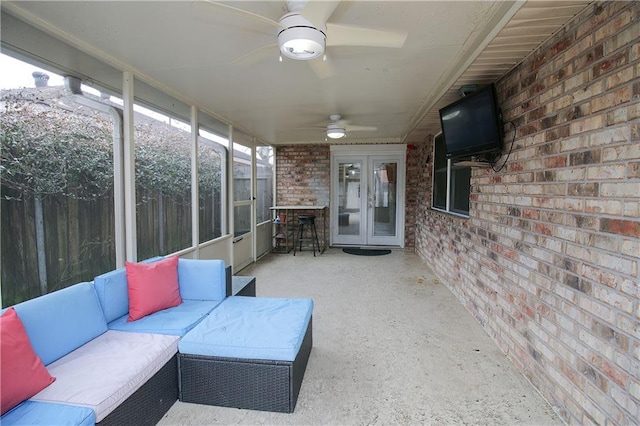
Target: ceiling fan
<point>304,32</point>
<point>338,127</point>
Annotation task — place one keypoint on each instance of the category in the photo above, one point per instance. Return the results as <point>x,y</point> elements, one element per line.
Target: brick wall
<point>303,175</point>
<point>417,190</point>
<point>548,260</point>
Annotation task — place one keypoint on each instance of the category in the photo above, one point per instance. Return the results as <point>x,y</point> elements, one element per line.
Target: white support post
<point>195,230</point>
<point>129,167</point>
<point>254,200</point>
<point>230,196</point>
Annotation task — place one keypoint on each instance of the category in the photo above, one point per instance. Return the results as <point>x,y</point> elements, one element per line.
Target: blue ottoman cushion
<point>251,328</point>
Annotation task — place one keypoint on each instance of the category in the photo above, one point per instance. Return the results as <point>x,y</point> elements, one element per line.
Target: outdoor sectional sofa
<point>112,371</point>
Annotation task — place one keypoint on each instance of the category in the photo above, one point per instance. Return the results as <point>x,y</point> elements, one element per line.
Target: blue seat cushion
<point>60,322</point>
<point>112,291</point>
<point>251,328</point>
<point>176,321</point>
<point>46,413</point>
<point>202,279</point>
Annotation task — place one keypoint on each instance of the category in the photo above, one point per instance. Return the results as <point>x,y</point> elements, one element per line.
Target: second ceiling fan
<point>338,128</point>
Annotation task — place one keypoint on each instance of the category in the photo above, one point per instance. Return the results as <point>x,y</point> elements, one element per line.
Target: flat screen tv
<point>473,125</point>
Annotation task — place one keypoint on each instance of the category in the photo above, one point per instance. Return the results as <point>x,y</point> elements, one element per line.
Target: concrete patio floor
<point>391,345</point>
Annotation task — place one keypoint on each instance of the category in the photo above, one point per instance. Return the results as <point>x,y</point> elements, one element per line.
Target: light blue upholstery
<point>60,322</point>
<point>46,413</point>
<point>202,279</point>
<point>176,321</point>
<point>112,291</point>
<point>202,283</point>
<point>251,328</point>
<point>198,280</point>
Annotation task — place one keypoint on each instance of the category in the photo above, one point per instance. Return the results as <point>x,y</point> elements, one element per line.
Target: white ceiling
<point>189,48</point>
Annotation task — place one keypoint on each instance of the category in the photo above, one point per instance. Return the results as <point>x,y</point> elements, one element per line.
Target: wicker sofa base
<point>252,384</point>
<point>150,402</point>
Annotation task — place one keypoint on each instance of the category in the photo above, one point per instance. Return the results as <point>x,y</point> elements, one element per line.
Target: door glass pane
<point>241,172</point>
<point>384,198</point>
<point>349,198</point>
<point>241,220</point>
<point>439,174</point>
<point>242,158</point>
<point>460,189</point>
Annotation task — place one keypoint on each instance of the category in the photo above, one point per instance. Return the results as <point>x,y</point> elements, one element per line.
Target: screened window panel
<point>163,181</point>
<point>57,187</point>
<point>212,171</point>
<point>265,175</point>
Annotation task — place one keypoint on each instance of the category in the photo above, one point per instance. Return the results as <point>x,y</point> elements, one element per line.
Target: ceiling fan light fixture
<point>300,40</point>
<point>335,131</point>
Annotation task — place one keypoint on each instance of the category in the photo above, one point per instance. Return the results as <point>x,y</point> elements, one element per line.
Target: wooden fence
<point>78,243</point>
<point>79,237</point>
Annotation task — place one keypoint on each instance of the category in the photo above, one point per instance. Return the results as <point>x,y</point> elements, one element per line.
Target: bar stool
<point>310,222</point>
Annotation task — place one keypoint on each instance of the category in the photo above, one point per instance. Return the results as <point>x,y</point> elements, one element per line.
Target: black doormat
<point>366,252</point>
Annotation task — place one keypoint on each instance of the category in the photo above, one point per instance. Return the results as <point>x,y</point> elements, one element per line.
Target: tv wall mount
<point>467,89</point>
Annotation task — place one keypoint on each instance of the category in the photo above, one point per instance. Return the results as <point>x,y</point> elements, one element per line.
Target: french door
<point>367,203</point>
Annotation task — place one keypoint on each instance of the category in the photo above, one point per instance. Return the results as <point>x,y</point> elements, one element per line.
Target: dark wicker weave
<point>228,282</point>
<point>151,401</point>
<point>252,384</point>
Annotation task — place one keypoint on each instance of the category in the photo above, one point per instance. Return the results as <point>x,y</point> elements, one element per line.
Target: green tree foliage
<point>209,169</point>
<point>50,146</point>
<point>48,149</point>
<point>162,158</point>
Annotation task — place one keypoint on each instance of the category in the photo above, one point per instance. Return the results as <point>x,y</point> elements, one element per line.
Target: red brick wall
<point>417,189</point>
<point>303,175</point>
<point>548,260</point>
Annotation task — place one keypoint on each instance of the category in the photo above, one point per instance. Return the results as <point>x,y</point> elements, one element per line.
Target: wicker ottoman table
<point>248,353</point>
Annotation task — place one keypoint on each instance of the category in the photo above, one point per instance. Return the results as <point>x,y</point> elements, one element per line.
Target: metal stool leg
<point>301,236</point>
<point>313,245</point>
<point>309,222</point>
<point>298,241</point>
<point>317,242</point>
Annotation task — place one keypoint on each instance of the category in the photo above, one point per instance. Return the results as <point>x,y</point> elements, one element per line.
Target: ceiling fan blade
<point>257,55</point>
<point>312,128</point>
<point>322,67</point>
<point>244,12</point>
<point>345,35</point>
<point>350,128</point>
<point>318,11</point>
